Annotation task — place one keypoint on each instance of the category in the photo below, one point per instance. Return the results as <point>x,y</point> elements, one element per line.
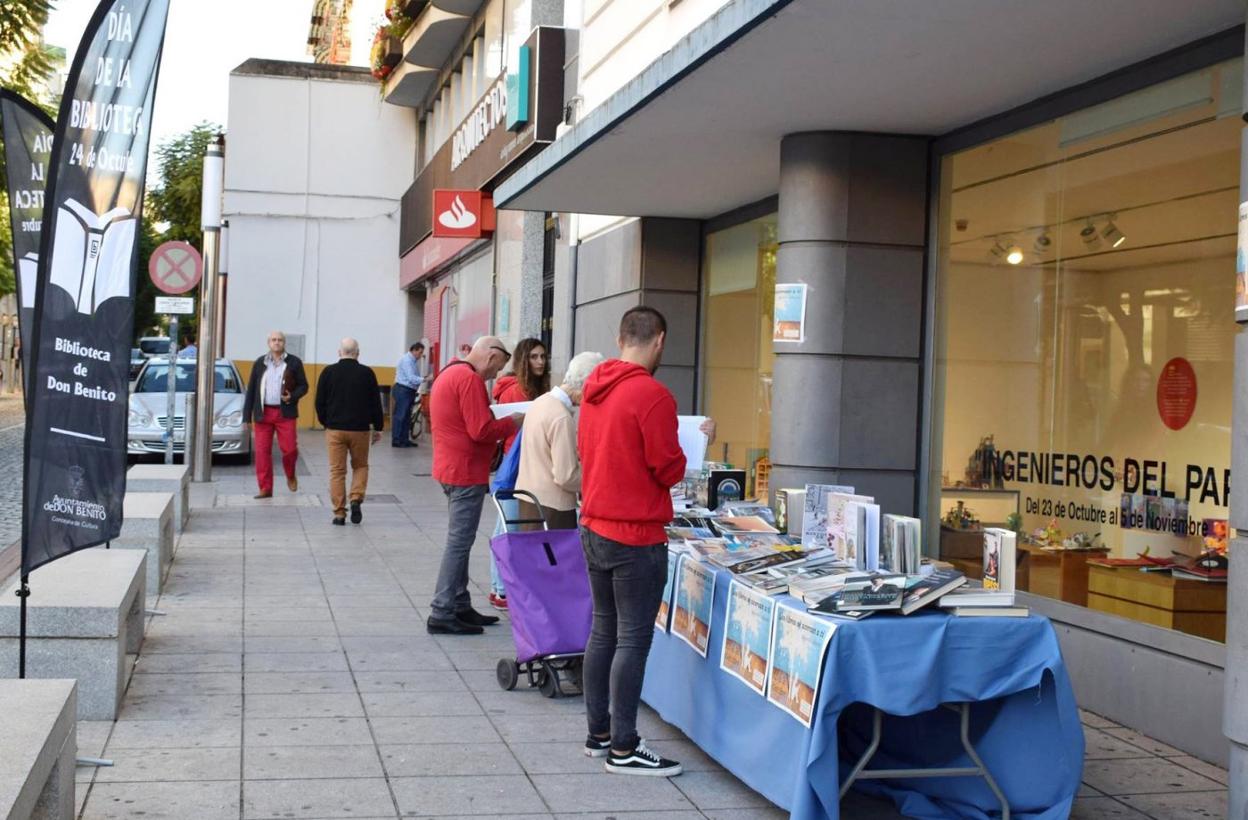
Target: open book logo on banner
<point>28,271</point>
<point>92,254</point>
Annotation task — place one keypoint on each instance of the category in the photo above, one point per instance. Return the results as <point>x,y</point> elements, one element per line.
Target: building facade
<point>312,202</point>
<point>464,72</point>
<point>996,270</point>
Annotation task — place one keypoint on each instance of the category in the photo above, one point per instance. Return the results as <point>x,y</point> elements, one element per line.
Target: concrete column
<point>846,401</point>
<point>653,262</point>
<point>532,256</point>
<point>1235,703</point>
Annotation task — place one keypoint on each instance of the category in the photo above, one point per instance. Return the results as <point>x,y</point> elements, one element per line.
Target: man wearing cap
<point>466,434</point>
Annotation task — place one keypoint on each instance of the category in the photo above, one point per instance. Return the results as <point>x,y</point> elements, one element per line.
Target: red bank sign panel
<point>459,214</point>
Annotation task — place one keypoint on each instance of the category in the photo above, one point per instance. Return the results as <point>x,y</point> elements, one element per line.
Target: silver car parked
<point>149,408</point>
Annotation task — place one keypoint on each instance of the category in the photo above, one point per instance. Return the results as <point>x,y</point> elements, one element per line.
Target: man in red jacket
<point>630,459</point>
<point>465,437</point>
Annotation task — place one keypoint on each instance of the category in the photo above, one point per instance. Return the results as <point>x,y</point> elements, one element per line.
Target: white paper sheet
<point>502,411</point>
<point>692,441</point>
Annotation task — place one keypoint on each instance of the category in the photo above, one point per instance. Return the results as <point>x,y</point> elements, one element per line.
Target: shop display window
<point>739,283</point>
<point>1084,350</point>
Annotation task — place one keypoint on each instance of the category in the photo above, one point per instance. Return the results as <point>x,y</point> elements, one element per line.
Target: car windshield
<point>156,378</point>
<point>153,347</point>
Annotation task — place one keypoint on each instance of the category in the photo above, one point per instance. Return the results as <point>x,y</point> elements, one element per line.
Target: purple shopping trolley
<point>547,597</point>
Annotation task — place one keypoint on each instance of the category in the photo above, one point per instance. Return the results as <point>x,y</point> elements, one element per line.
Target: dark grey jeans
<point>463,516</point>
<point>627,586</point>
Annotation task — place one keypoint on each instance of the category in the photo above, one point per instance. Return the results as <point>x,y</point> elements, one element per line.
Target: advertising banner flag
<point>84,309</point>
<point>27,134</point>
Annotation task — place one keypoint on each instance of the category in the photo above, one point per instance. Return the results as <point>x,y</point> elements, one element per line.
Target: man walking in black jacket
<point>276,385</point>
<point>348,402</point>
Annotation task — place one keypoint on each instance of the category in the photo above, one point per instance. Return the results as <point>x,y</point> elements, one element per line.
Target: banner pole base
<point>92,761</point>
<point>23,592</point>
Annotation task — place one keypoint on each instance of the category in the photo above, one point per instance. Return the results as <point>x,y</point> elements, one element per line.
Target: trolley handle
<point>512,495</point>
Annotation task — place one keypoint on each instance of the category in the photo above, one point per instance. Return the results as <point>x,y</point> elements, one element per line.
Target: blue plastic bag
<point>507,473</point>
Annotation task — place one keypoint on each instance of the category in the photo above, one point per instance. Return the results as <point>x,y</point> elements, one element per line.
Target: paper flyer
<point>747,636</point>
<point>695,601</point>
<point>692,441</point>
<point>1241,266</point>
<point>790,313</point>
<point>815,513</point>
<point>502,411</point>
<point>798,644</point>
<point>665,606</point>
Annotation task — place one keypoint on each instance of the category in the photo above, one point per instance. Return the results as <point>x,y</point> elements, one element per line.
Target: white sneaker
<point>642,761</point>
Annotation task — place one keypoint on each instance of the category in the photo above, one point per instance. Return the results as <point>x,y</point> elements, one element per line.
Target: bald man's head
<point>348,348</point>
<point>488,356</point>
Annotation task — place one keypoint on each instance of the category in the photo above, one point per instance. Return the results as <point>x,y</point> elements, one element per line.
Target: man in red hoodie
<point>630,459</point>
<point>465,437</point>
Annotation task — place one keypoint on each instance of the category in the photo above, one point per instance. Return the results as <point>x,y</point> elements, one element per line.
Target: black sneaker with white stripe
<point>595,747</point>
<point>642,761</point>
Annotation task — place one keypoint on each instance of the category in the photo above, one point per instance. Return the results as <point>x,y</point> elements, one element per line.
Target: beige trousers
<point>340,443</point>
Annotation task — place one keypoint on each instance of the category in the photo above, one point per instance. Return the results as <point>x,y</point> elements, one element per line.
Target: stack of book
<point>889,592</point>
<point>976,601</point>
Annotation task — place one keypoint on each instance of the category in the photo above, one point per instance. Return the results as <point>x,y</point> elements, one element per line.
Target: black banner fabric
<point>27,135</point>
<point>84,310</point>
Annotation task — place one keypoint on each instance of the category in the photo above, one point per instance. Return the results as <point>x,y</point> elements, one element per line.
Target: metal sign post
<point>210,219</point>
<point>173,306</point>
<point>175,267</point>
<point>171,399</point>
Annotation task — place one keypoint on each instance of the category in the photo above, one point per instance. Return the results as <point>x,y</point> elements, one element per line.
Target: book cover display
<point>665,606</point>
<point>815,513</point>
<point>837,504</point>
<point>747,636</point>
<point>862,535</point>
<point>695,600</point>
<point>1000,548</point>
<point>798,645</point>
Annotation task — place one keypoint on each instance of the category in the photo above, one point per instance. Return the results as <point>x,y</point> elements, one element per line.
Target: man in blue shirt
<point>407,381</point>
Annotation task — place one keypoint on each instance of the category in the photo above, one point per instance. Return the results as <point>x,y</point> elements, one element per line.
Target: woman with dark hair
<point>528,379</point>
<point>529,376</point>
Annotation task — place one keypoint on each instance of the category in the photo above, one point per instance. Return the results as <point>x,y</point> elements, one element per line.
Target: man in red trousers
<point>276,385</point>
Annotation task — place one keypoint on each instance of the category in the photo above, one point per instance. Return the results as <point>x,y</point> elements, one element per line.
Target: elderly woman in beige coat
<point>549,466</point>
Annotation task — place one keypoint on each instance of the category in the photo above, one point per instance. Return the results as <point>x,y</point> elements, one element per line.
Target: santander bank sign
<point>462,214</point>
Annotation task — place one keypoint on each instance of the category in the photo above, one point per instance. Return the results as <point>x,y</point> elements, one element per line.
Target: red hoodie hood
<point>607,376</point>
<point>501,385</point>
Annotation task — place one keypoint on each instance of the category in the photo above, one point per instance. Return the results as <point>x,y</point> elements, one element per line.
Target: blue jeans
<point>463,516</point>
<point>401,422</point>
<point>496,580</point>
<point>626,584</point>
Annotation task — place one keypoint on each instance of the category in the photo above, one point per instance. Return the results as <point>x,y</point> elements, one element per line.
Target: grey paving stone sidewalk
<point>12,433</point>
<point>291,677</point>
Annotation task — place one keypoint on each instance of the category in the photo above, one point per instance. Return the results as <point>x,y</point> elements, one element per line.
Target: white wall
<point>314,172</point>
<point>619,40</point>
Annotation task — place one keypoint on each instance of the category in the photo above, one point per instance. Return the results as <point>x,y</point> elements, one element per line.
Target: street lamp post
<point>214,185</point>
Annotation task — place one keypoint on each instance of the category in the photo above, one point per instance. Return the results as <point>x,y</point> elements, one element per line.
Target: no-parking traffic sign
<point>175,267</point>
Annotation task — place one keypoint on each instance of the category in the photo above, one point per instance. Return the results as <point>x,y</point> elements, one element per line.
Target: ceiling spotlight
<point>1090,236</point>
<point>1113,235</point>
<point>1043,243</point>
<point>1014,255</point>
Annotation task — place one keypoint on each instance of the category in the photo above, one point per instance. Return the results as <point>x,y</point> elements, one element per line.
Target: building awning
<point>698,132</point>
<point>434,37</point>
<point>409,85</point>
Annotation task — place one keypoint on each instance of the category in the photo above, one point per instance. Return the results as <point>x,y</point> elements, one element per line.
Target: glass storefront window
<point>738,303</point>
<point>1084,350</point>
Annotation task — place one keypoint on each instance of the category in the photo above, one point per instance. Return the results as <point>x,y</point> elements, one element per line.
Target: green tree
<point>21,40</point>
<point>177,200</point>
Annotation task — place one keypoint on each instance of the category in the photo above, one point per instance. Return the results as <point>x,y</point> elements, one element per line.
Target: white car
<point>149,407</point>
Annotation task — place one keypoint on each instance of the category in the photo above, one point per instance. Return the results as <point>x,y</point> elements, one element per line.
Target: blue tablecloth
<point>1024,723</point>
